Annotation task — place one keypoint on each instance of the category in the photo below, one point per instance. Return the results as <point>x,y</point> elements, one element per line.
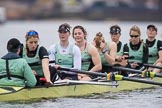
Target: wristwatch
<point>104,51</point>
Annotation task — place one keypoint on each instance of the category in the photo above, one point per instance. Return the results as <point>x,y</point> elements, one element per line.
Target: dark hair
<point>80,27</point>
<point>13,45</point>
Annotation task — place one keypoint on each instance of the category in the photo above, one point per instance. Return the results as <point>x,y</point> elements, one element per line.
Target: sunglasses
<point>32,33</point>
<point>134,36</point>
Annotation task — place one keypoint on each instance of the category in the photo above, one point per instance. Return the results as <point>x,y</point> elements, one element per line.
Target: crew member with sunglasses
<point>65,54</point>
<point>14,70</point>
<point>137,49</point>
<point>37,58</point>
<point>155,47</point>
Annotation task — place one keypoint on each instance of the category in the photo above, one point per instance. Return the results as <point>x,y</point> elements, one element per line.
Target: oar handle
<point>63,68</point>
<point>150,65</point>
<point>129,57</point>
<point>153,66</point>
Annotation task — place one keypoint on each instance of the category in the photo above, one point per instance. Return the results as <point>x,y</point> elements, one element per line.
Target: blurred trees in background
<point>85,9</point>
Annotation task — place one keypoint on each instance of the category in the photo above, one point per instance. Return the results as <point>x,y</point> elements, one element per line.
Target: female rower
<point>37,57</point>
<point>155,47</point>
<point>115,33</point>
<point>90,56</point>
<point>65,54</point>
<point>107,51</point>
<point>122,51</point>
<point>137,49</point>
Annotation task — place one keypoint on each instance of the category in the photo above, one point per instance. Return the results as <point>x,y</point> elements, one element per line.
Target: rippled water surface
<point>149,98</point>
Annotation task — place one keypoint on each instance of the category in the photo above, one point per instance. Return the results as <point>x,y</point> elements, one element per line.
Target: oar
<point>144,73</point>
<point>151,65</point>
<point>111,76</point>
<point>62,82</point>
<point>129,57</point>
<point>120,77</point>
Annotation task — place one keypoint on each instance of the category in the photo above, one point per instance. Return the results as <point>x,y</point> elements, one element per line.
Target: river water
<point>48,35</point>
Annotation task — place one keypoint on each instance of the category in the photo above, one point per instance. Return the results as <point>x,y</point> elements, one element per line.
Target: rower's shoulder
<point>91,48</point>
<point>159,42</point>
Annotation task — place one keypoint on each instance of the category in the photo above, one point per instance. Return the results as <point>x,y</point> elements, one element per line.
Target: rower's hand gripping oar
<point>145,64</point>
<point>129,57</point>
<point>112,77</point>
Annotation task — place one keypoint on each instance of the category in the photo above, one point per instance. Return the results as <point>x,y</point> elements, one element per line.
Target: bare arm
<point>159,60</point>
<point>95,58</point>
<point>45,67</point>
<point>110,58</point>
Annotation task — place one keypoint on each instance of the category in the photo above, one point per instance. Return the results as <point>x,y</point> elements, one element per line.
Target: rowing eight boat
<point>69,90</point>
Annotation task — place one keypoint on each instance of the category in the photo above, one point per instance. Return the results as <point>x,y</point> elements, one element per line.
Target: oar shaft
<point>112,77</point>
<point>84,72</point>
<point>142,81</point>
<point>153,66</point>
<point>85,82</point>
<point>126,69</point>
<point>132,70</point>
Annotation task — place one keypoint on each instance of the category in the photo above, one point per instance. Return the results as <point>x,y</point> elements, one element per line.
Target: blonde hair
<point>135,28</point>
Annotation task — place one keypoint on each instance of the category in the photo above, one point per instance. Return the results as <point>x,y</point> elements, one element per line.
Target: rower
<point>107,51</point>
<point>90,56</point>
<point>65,54</point>
<point>37,57</point>
<point>122,51</point>
<point>137,49</point>
<point>155,47</point>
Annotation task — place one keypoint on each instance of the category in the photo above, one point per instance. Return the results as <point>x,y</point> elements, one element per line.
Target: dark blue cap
<point>64,28</point>
<point>115,29</point>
